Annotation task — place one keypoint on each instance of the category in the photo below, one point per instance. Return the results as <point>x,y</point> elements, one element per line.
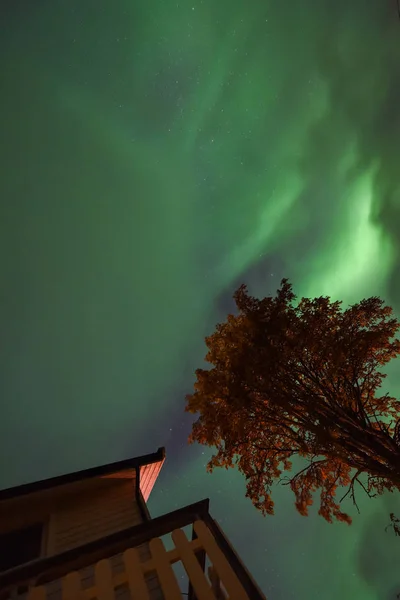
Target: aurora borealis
<point>155,155</point>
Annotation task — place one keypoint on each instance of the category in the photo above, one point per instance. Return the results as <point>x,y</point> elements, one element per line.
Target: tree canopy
<point>301,379</point>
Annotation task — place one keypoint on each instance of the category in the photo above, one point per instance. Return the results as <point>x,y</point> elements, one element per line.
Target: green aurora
<point>155,155</point>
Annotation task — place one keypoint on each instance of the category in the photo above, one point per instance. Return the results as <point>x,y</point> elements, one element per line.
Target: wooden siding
<point>16,513</point>
<point>81,519</point>
<point>36,506</point>
<point>148,477</point>
<point>94,516</point>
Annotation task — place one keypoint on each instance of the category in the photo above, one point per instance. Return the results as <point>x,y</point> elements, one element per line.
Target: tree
<point>301,380</point>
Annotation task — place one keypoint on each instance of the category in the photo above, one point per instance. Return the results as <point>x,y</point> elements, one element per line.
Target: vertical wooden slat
<point>71,586</point>
<point>166,575</point>
<point>220,563</point>
<point>137,583</point>
<point>104,580</point>
<point>201,558</point>
<point>192,566</point>
<point>37,593</point>
<point>215,584</point>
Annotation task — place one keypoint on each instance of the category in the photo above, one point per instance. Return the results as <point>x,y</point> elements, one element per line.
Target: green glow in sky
<point>155,155</point>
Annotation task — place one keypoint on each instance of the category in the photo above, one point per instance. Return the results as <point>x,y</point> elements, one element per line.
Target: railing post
<point>216,584</point>
<point>201,557</point>
<point>247,581</point>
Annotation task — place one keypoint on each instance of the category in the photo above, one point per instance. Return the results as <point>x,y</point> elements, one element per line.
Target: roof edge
<point>52,482</point>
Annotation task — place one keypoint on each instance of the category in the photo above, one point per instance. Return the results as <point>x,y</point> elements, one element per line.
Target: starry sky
<point>156,154</point>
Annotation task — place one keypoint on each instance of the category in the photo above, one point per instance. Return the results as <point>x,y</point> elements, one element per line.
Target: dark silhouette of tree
<point>301,380</point>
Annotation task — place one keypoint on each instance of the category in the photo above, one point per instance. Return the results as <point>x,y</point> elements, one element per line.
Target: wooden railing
<point>227,576</point>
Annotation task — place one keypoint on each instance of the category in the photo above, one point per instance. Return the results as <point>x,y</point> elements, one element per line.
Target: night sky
<point>156,154</point>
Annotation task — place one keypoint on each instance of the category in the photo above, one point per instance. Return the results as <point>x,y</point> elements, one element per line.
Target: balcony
<point>135,564</point>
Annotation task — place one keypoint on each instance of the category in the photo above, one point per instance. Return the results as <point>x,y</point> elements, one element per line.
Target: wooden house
<point>89,535</point>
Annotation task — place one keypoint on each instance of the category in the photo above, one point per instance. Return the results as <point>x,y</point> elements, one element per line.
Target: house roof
<point>149,466</point>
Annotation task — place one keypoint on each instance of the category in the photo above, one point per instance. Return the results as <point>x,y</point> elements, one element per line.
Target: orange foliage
<point>301,380</point>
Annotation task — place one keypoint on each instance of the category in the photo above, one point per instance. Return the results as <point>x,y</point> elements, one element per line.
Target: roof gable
<point>148,464</point>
